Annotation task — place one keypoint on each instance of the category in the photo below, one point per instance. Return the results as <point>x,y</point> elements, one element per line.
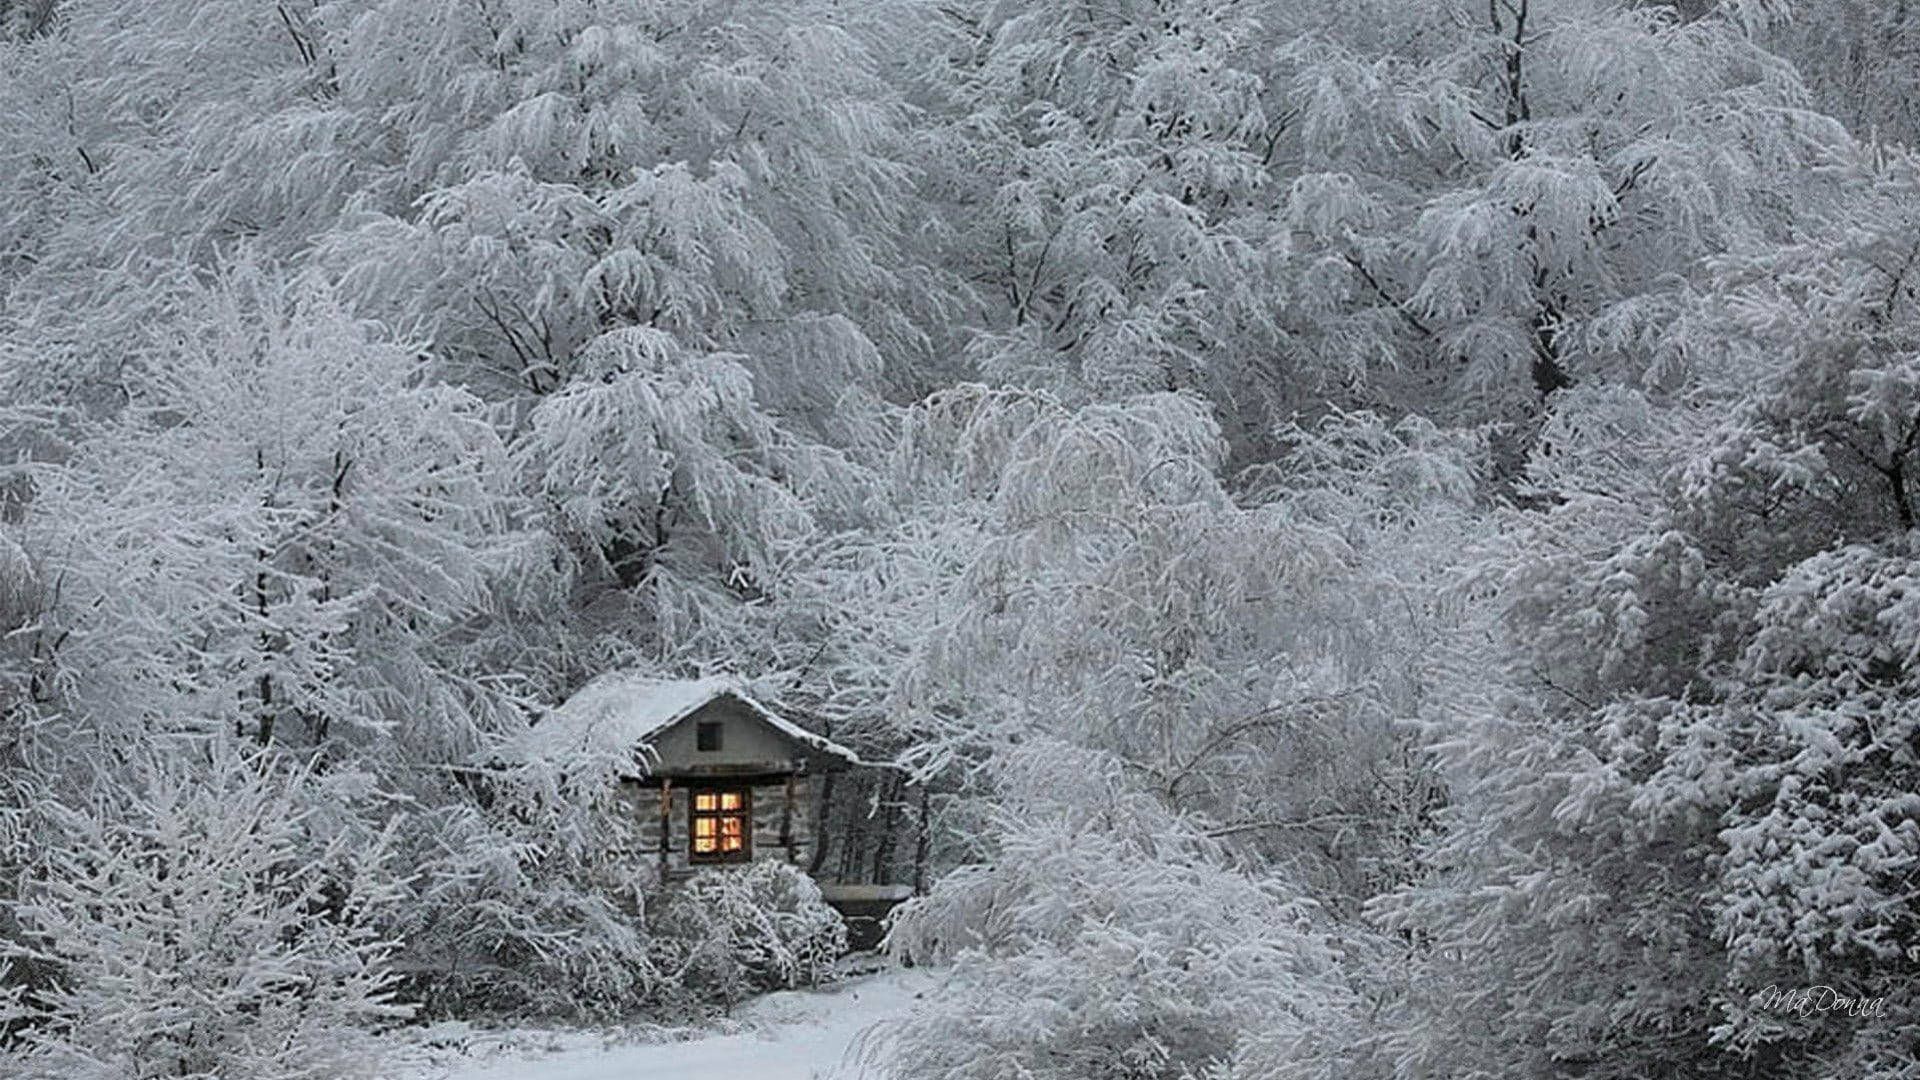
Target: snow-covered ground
<point>791,1035</point>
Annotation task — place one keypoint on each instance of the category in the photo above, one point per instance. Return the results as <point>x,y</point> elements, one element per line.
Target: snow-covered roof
<point>619,711</point>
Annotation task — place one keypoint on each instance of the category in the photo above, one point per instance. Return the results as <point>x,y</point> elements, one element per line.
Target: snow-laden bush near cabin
<point>730,931</point>
<point>201,921</point>
<point>510,922</point>
<point>1107,937</point>
<point>531,899</point>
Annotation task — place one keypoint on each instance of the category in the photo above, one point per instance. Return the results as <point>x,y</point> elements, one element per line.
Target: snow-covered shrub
<point>1108,937</point>
<point>530,899</point>
<point>201,924</point>
<point>504,926</point>
<point>728,931</point>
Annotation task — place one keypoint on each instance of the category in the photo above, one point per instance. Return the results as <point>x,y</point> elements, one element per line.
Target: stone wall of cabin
<point>769,800</point>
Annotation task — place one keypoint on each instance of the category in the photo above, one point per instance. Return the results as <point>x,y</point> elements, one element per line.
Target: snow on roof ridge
<point>619,710</point>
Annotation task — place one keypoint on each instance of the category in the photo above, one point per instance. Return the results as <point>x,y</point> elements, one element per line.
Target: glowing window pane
<point>720,824</point>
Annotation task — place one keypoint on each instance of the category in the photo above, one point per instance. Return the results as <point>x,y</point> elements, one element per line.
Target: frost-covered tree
<point>1083,574</point>
<point>1858,59</point>
<point>530,896</point>
<point>664,472</point>
<point>283,529</point>
<point>505,183</point>
<point>1441,205</point>
<point>735,930</point>
<point>1525,191</point>
<point>139,141</point>
<point>704,168</point>
<point>1107,170</point>
<point>288,533</point>
<point>673,237</point>
<point>21,20</point>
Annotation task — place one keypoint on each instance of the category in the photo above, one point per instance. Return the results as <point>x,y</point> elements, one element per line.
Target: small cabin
<point>719,778</point>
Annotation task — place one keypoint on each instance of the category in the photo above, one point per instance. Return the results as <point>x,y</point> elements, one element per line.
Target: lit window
<point>722,826</point>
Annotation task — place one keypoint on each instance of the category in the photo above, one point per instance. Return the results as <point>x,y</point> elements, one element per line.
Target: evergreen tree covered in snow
<point>1693,791</point>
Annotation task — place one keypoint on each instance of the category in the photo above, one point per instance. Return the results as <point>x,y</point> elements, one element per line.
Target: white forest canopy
<point>1380,532</point>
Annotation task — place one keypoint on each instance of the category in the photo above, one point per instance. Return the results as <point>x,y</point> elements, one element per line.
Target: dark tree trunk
<point>889,828</point>
<point>924,827</point>
<point>823,829</point>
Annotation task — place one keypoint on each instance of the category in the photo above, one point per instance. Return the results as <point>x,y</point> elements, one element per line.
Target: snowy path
<point>797,1035</point>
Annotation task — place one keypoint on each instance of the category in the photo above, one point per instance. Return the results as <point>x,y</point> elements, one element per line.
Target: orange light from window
<point>719,822</point>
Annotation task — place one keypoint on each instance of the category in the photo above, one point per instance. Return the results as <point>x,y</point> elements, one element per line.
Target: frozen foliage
<point>727,932</point>
<point>1091,578</point>
<point>1381,529</point>
<point>1695,781</point>
<point>1858,58</point>
<point>1107,937</point>
<point>200,921</point>
<point>276,529</point>
<point>1283,204</point>
<point>533,901</point>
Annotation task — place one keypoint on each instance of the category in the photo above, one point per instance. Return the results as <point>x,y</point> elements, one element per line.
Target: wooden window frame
<point>719,815</point>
